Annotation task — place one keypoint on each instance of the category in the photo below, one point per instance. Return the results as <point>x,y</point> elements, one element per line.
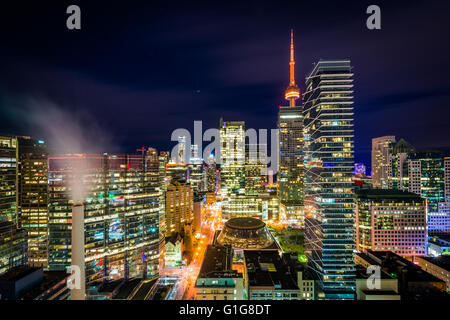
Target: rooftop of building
<point>266,269</point>
<point>126,288</point>
<point>396,265</point>
<point>109,286</point>
<point>425,154</point>
<point>361,273</point>
<point>440,239</point>
<point>174,238</point>
<point>291,260</point>
<point>218,262</point>
<point>50,279</point>
<point>17,273</point>
<point>441,261</point>
<point>245,223</point>
<point>402,146</point>
<point>386,194</point>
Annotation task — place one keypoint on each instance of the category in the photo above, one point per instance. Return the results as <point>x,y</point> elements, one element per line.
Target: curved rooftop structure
<point>245,233</point>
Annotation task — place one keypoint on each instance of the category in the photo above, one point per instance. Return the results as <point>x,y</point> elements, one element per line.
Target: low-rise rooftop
<point>218,262</point>
<point>266,269</point>
<point>442,261</point>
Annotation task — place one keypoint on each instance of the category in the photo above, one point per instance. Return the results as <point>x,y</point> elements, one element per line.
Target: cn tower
<point>292,92</point>
<point>290,157</point>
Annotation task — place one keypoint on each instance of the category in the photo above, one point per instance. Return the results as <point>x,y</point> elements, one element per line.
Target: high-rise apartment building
<point>290,160</point>
<point>120,213</point>
<point>329,204</point>
<point>391,220</point>
<point>382,162</point>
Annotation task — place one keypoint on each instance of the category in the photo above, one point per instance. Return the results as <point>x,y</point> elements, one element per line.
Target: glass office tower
<point>232,152</point>
<point>121,214</point>
<point>32,198</point>
<point>13,241</point>
<point>329,161</point>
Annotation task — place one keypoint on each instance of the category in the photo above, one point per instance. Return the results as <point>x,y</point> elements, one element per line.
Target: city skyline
<point>223,67</point>
<point>239,152</point>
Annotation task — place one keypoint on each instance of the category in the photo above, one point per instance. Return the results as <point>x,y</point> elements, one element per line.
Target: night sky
<point>139,70</point>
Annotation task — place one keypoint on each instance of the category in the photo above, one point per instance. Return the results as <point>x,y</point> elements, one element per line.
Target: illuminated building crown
<point>292,92</point>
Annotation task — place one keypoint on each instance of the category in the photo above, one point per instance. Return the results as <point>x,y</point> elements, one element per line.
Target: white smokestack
<point>78,250</point>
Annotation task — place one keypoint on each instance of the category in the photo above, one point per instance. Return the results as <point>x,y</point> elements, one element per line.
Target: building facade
<point>232,157</point>
<point>290,156</point>
<point>32,198</point>
<point>329,162</point>
<point>391,220</point>
<point>179,206</point>
<point>439,222</point>
<point>447,178</point>
<point>120,214</point>
<point>13,240</point>
<point>420,172</point>
<point>266,277</point>
<point>382,162</point>
<point>438,267</point>
<point>217,280</point>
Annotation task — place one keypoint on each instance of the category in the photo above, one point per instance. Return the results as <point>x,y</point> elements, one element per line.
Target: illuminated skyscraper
<point>209,177</point>
<point>419,172</point>
<point>8,178</point>
<point>163,158</point>
<point>382,162</point>
<point>13,241</point>
<point>120,216</point>
<point>182,156</point>
<point>179,206</point>
<point>425,171</point>
<point>255,182</point>
<point>400,153</point>
<point>232,157</point>
<point>329,204</point>
<point>290,164</point>
<point>32,198</point>
<point>195,169</point>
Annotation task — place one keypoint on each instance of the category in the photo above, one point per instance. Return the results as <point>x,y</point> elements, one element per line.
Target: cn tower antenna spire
<point>292,92</point>
<point>292,60</point>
